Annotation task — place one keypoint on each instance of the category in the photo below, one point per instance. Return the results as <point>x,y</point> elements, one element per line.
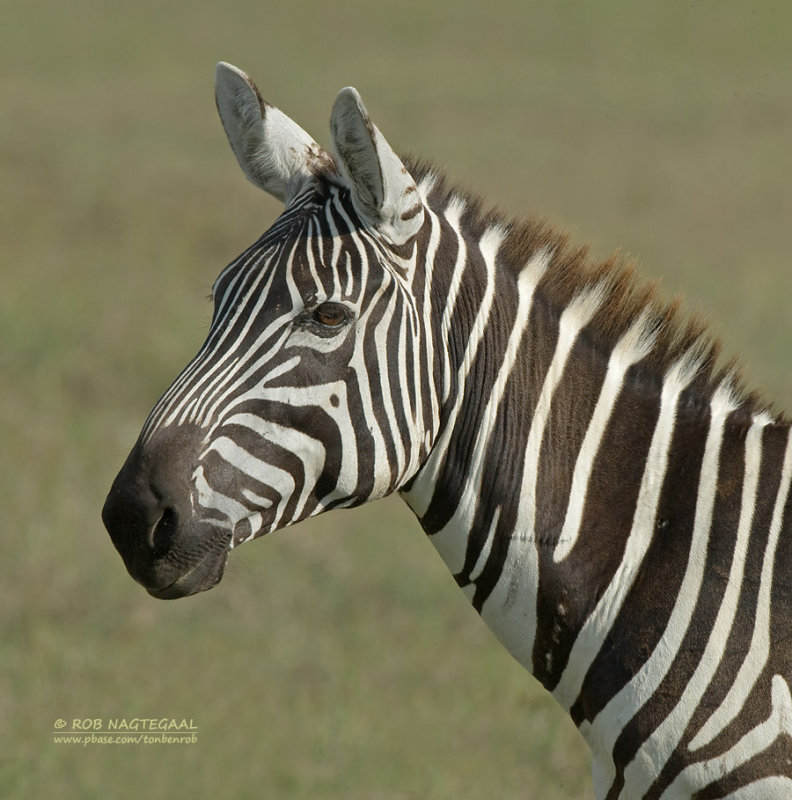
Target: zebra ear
<point>275,153</point>
<point>383,191</point>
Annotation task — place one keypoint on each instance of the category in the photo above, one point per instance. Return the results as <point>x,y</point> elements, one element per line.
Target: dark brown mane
<point>629,295</point>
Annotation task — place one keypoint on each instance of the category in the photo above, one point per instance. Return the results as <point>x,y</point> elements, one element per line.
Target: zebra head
<point>309,392</point>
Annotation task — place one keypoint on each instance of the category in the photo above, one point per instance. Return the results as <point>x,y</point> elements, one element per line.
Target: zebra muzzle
<point>149,516</point>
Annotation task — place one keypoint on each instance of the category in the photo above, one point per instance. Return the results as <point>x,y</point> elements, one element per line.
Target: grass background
<point>336,660</point>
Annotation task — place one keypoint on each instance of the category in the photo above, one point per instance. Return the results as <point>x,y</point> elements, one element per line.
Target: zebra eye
<point>331,315</point>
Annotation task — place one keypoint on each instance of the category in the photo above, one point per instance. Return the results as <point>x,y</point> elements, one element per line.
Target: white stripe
<point>232,509</point>
<point>605,729</point>
<point>279,480</point>
<point>425,355</point>
<point>231,297</point>
<point>194,371</point>
<point>319,396</point>
<point>451,541</point>
<point>314,239</point>
<point>309,450</point>
<point>201,369</point>
<point>774,787</point>
<point>759,649</point>
<point>483,555</point>
<point>453,215</point>
<point>779,723</point>
<point>208,389</point>
<point>222,330</point>
<point>655,751</point>
<point>634,346</point>
<point>426,185</point>
<point>421,492</point>
<point>225,393</point>
<point>381,467</point>
<point>379,337</point>
<point>256,499</point>
<point>213,400</point>
<point>510,609</point>
<point>596,627</point>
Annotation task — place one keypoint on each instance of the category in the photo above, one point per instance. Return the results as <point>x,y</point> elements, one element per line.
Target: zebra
<point>608,495</point>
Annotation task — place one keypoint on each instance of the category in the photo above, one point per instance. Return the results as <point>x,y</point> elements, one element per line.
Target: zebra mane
<point>678,337</point>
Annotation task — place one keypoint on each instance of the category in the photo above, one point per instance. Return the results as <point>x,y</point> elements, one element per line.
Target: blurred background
<point>336,660</point>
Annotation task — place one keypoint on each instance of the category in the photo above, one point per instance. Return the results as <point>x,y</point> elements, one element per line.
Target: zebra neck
<point>662,640</point>
<point>546,500</point>
<point>616,512</point>
<point>497,486</point>
<point>609,552</point>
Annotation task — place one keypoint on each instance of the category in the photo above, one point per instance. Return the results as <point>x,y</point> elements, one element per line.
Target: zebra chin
<point>203,575</point>
<point>193,561</point>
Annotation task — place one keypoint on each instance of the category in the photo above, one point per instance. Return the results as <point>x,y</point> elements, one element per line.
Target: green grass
<point>336,660</point>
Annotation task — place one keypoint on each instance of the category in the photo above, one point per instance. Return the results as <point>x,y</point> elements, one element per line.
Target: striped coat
<point>613,504</point>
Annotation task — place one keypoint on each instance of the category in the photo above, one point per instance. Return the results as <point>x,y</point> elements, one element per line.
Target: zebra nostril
<point>162,533</point>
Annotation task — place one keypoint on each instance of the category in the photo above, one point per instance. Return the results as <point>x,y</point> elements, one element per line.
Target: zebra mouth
<point>203,575</point>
